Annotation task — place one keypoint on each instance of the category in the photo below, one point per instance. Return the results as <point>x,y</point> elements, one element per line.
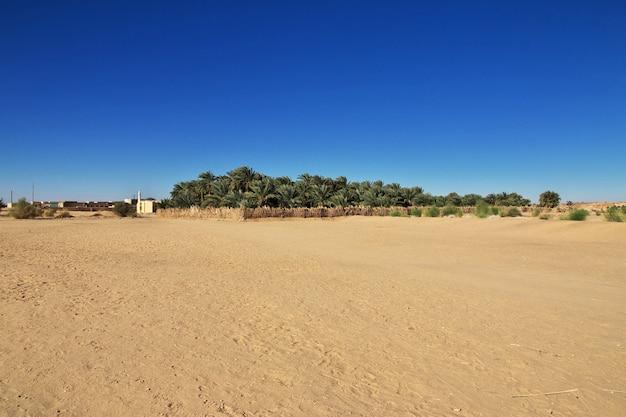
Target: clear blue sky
<point>100,99</point>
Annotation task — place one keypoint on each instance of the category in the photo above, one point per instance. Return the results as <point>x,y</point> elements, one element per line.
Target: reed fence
<point>276,213</point>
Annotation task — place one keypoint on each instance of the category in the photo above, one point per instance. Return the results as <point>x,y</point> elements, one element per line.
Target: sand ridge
<point>355,316</point>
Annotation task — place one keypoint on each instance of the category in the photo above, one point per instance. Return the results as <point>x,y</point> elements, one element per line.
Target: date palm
<point>262,191</point>
<point>321,194</point>
<point>241,178</point>
<point>287,195</point>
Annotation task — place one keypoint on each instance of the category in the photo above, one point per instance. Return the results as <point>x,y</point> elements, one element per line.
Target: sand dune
<point>354,316</point>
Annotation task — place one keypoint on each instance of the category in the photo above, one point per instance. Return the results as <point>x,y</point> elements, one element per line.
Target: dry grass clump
<point>63,214</point>
<point>49,212</point>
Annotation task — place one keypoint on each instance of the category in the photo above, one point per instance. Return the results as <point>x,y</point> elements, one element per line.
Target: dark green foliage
<point>245,187</point>
<point>578,215</point>
<point>432,211</point>
<point>24,210</point>
<point>416,212</point>
<point>124,210</point>
<point>165,203</point>
<point>470,200</point>
<point>453,199</point>
<point>506,199</point>
<point>395,213</point>
<point>549,199</point>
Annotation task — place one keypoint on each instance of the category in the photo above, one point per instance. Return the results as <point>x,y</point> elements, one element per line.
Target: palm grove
<point>243,187</point>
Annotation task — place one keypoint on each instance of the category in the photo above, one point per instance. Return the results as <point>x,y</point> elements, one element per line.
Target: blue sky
<point>100,99</point>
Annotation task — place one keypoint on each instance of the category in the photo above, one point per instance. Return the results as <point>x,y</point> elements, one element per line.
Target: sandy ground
<point>346,317</point>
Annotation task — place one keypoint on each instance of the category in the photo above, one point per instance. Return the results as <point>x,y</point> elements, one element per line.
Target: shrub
<point>49,212</point>
<point>549,199</point>
<point>536,212</point>
<point>432,211</point>
<point>63,214</point>
<point>514,212</point>
<point>495,211</point>
<point>544,217</point>
<point>124,210</point>
<point>614,214</point>
<point>482,209</point>
<point>23,210</point>
<point>578,215</point>
<point>416,212</point>
<point>395,213</point>
<point>452,210</point>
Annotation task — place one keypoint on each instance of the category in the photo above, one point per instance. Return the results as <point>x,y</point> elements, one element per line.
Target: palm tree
<point>220,188</point>
<point>287,195</point>
<point>340,183</point>
<point>408,195</point>
<point>304,189</point>
<point>373,195</point>
<point>262,191</point>
<point>241,178</point>
<point>392,191</point>
<point>340,199</point>
<point>205,183</point>
<point>282,180</point>
<point>234,199</point>
<point>321,194</point>
<point>185,200</point>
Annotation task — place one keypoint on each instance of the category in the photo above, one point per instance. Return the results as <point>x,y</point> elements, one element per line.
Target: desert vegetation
<point>244,187</point>
<point>577,215</point>
<point>549,199</point>
<point>615,214</point>
<point>24,210</point>
<point>122,209</point>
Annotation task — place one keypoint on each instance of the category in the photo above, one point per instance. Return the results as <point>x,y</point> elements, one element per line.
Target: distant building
<point>145,206</point>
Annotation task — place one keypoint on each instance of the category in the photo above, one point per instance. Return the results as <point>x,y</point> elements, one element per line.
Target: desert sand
<point>345,317</point>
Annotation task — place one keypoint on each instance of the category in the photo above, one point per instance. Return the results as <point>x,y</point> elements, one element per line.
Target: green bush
<point>549,199</point>
<point>482,209</point>
<point>577,215</point>
<point>416,212</point>
<point>23,210</point>
<point>432,211</point>
<point>124,210</point>
<point>514,212</point>
<point>536,212</point>
<point>614,214</point>
<point>452,210</point>
<point>495,211</point>
<point>544,217</point>
<point>395,213</point>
